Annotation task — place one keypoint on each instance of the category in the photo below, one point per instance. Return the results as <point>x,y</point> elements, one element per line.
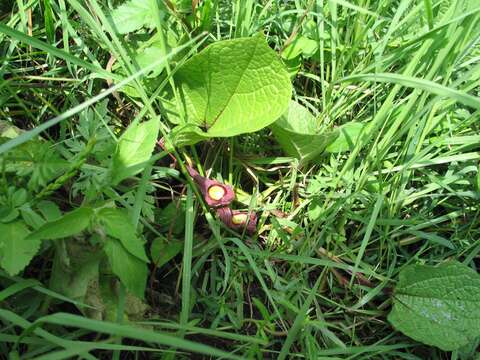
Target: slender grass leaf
<point>132,332</point>
<point>416,83</point>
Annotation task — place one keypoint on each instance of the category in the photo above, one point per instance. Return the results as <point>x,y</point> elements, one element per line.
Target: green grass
<point>316,279</point>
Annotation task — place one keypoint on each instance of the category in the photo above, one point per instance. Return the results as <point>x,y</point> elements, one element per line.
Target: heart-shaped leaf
<point>233,87</point>
<point>438,306</point>
<point>296,133</point>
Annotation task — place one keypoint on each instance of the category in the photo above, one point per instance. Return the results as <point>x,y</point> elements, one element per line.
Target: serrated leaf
<point>131,270</point>
<point>117,225</point>
<point>234,87</point>
<point>296,132</point>
<point>37,159</point>
<point>134,149</point>
<point>68,225</point>
<point>16,250</point>
<point>438,306</point>
<point>135,14</point>
<point>163,251</point>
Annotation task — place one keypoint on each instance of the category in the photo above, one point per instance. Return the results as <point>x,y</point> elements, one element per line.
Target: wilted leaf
<point>75,269</point>
<point>438,306</point>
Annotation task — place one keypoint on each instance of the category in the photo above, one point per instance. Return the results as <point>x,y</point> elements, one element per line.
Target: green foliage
<point>233,87</point>
<point>438,306</point>
<point>348,136</point>
<point>296,131</point>
<point>129,268</point>
<point>16,249</point>
<point>117,225</point>
<point>162,251</point>
<point>372,166</point>
<point>172,218</point>
<point>134,149</point>
<point>35,160</point>
<point>135,14</point>
<point>68,225</point>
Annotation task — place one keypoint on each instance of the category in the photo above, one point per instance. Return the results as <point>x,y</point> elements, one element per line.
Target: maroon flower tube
<point>238,220</point>
<point>215,193</point>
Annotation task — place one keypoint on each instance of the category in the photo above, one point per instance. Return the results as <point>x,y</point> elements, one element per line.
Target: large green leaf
<point>234,87</point>
<point>68,225</point>
<point>134,149</point>
<point>117,224</point>
<point>438,306</point>
<point>131,270</point>
<point>296,132</point>
<point>16,250</point>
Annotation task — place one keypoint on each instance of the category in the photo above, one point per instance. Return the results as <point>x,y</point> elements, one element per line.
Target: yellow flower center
<point>216,192</point>
<point>239,219</point>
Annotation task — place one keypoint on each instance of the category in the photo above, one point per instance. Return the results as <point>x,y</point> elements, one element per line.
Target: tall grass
<point>315,283</point>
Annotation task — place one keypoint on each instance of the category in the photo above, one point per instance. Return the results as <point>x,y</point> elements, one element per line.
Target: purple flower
<point>238,220</point>
<point>215,193</point>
